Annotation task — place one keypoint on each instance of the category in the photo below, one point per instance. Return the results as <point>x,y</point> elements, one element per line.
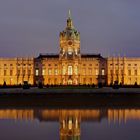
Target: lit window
<point>63,51</point>
<point>64,125</point>
<point>103,71</point>
<point>96,72</point>
<point>36,72</point>
<point>43,71</point>
<point>76,123</point>
<point>70,51</point>
<point>70,124</point>
<point>69,70</point>
<point>49,71</point>
<point>76,52</point>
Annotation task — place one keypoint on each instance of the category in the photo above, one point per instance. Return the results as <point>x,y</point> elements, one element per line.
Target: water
<point>69,124</point>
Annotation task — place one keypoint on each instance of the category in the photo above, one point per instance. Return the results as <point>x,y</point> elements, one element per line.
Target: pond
<point>69,124</point>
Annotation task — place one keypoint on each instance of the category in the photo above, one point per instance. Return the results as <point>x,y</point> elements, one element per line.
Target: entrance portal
<point>69,82</point>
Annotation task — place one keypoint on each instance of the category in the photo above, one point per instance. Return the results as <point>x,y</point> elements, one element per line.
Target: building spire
<point>69,14</point>
<point>69,20</point>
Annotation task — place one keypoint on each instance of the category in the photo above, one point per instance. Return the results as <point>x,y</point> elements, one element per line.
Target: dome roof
<point>70,32</point>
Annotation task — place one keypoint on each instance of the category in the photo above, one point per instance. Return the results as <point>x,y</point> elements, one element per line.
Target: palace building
<point>70,66</point>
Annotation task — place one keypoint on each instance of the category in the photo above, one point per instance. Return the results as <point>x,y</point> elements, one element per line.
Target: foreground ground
<point>65,90</point>
<point>67,97</point>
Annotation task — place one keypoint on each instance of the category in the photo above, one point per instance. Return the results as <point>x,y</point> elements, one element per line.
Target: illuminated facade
<point>14,71</point>
<point>124,70</point>
<point>70,66</point>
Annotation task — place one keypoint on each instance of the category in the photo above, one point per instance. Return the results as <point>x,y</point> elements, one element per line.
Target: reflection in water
<point>70,120</point>
<point>70,125</point>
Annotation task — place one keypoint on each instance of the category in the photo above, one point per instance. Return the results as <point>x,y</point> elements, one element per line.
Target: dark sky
<point>30,27</point>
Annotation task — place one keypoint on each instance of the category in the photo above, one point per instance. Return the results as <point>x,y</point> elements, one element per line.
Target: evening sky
<point>30,27</point>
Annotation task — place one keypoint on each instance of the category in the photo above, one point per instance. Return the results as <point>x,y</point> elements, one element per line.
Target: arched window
<point>69,70</point>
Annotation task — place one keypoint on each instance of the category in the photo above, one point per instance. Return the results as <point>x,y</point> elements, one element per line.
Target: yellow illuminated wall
<point>125,70</point>
<point>70,66</point>
<point>14,71</point>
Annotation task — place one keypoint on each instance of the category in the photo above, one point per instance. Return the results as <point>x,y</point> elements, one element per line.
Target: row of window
<point>24,64</point>
<point>57,65</point>
<point>135,72</point>
<point>123,64</point>
<point>19,72</point>
<point>5,65</point>
<point>70,71</point>
<point>23,72</point>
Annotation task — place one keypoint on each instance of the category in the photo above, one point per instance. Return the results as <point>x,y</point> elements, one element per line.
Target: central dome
<point>70,32</point>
